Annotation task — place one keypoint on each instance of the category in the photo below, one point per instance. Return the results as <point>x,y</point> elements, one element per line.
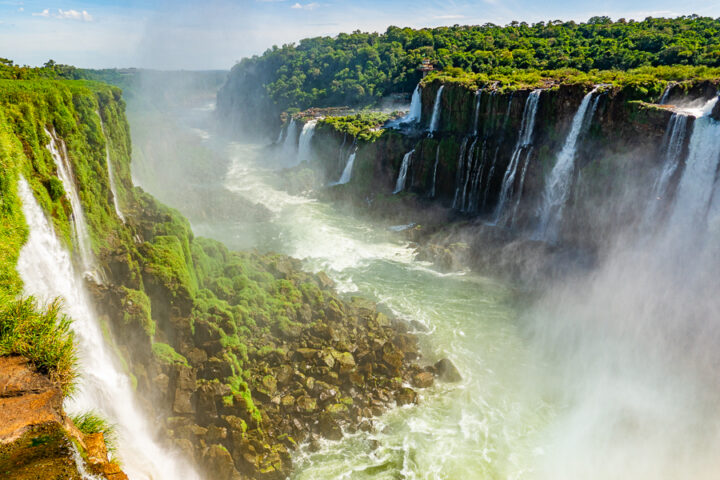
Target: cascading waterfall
<point>402,175</point>
<point>435,119</point>
<point>557,185</point>
<point>415,113</point>
<point>476,113</point>
<point>674,142</point>
<point>305,144</point>
<point>290,145</point>
<point>280,136</point>
<point>47,273</point>
<point>347,172</point>
<point>113,188</point>
<point>434,176</point>
<point>527,127</point>
<point>520,187</point>
<point>695,190</point>
<point>666,93</point>
<point>462,173</point>
<point>65,172</point>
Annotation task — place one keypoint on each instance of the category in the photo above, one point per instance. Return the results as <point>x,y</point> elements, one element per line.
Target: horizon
<point>194,36</point>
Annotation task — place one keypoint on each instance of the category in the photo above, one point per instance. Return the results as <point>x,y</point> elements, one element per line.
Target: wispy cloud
<point>449,17</point>
<point>307,6</point>
<point>82,16</point>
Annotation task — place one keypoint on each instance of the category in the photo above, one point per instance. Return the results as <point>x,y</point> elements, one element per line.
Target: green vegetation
<point>363,126</point>
<point>90,423</point>
<point>42,336</point>
<point>167,354</point>
<point>359,68</point>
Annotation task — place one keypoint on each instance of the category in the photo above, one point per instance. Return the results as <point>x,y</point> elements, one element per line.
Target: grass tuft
<point>90,423</point>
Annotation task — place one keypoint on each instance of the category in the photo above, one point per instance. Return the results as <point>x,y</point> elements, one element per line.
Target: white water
<point>666,93</point>
<point>347,171</point>
<point>305,147</point>
<point>434,176</point>
<point>695,190</point>
<point>402,174</point>
<point>476,114</point>
<point>111,175</point>
<point>527,127</point>
<point>461,179</point>
<point>66,175</point>
<point>435,119</point>
<point>674,141</point>
<point>290,145</point>
<point>47,272</point>
<point>415,113</point>
<point>558,183</point>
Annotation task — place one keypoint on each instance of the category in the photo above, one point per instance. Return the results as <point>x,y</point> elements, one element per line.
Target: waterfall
<point>462,173</point>
<point>694,192</point>
<point>402,175</point>
<point>673,143</point>
<point>527,127</point>
<point>305,146</point>
<point>557,186</point>
<point>347,172</point>
<point>280,136</point>
<point>435,119</point>
<point>434,177</point>
<point>113,188</point>
<point>666,93</point>
<point>520,187</point>
<point>476,113</point>
<point>415,113</point>
<point>66,175</point>
<point>47,273</point>
<point>290,145</point>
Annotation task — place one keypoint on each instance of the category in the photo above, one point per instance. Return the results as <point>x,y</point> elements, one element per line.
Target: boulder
<point>447,372</point>
<point>423,380</point>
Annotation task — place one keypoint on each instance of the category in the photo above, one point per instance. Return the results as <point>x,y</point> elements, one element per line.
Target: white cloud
<point>307,6</point>
<point>21,9</point>
<point>449,17</point>
<point>83,16</point>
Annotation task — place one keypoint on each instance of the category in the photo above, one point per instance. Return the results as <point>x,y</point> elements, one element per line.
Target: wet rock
<point>183,403</point>
<point>447,372</point>
<point>423,380</point>
<point>324,281</point>
<point>219,463</point>
<point>345,361</point>
<point>306,404</point>
<point>406,396</point>
<point>716,111</point>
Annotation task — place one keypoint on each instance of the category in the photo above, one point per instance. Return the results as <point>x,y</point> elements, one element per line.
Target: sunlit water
<point>483,427</point>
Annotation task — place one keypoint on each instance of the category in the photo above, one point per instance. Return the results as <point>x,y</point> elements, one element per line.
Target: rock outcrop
<point>37,439</point>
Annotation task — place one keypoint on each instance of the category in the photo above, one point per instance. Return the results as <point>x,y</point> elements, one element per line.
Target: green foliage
<point>360,68</point>
<point>43,336</point>
<point>363,126</point>
<point>167,355</point>
<point>90,423</point>
<point>137,310</point>
<point>165,258</point>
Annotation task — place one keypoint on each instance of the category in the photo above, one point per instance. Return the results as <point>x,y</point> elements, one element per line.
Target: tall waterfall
<point>434,176</point>
<point>47,272</point>
<point>113,188</point>
<point>558,183</point>
<point>65,172</point>
<point>674,141</point>
<point>527,127</point>
<point>305,144</point>
<point>695,190</point>
<point>435,119</point>
<point>476,113</point>
<point>461,178</point>
<point>402,175</point>
<point>347,172</point>
<point>290,145</point>
<point>415,113</point>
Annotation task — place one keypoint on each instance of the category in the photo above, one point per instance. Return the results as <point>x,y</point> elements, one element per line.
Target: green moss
<point>167,355</point>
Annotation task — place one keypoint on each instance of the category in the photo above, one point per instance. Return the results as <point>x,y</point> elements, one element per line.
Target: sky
<point>214,34</point>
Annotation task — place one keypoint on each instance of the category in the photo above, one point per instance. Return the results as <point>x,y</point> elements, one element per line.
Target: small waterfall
<point>111,175</point>
<point>674,141</point>
<point>305,145</point>
<point>415,113</point>
<point>695,190</point>
<point>461,176</point>
<point>47,272</point>
<point>476,114</point>
<point>666,93</point>
<point>280,136</point>
<point>402,175</point>
<point>434,177</point>
<point>290,145</point>
<point>527,127</point>
<point>435,119</point>
<point>65,172</point>
<point>520,187</point>
<point>347,172</point>
<point>557,186</point>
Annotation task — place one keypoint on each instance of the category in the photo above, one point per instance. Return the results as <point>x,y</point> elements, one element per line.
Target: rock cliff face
<point>463,166</point>
<point>37,439</point>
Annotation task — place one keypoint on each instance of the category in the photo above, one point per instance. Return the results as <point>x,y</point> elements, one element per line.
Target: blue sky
<point>215,33</point>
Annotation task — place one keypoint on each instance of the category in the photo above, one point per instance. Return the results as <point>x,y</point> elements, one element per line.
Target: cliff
<point>240,355</point>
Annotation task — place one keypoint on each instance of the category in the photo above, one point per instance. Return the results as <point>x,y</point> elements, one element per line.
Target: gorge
<point>505,273</point>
